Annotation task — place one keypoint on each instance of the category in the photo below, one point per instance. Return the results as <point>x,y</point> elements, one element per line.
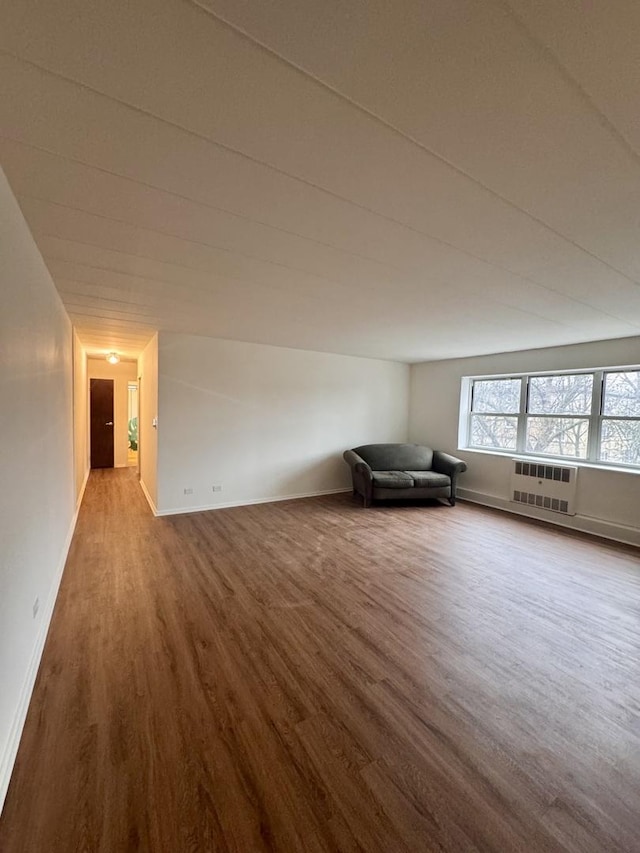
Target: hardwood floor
<point>312,676</point>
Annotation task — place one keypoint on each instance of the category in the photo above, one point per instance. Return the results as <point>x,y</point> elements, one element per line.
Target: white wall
<point>148,410</point>
<point>121,373</point>
<point>266,422</point>
<point>608,502</point>
<point>80,417</point>
<point>37,499</point>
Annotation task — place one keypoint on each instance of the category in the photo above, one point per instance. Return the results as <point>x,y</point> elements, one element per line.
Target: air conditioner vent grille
<point>542,501</point>
<point>543,472</point>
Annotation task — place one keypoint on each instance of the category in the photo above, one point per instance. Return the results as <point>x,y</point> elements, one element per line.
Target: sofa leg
<point>452,501</point>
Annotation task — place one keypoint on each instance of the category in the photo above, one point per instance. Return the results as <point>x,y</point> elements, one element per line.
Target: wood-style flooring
<point>314,676</point>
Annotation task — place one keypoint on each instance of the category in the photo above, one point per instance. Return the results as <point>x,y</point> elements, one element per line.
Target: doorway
<point>101,422</point>
<point>132,424</point>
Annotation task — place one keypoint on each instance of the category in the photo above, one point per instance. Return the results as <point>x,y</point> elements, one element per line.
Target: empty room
<point>320,434</point>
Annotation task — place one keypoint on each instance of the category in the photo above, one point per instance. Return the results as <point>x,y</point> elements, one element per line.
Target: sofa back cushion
<point>396,457</point>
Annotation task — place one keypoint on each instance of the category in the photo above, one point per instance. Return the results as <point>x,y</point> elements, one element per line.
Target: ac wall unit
<point>544,486</point>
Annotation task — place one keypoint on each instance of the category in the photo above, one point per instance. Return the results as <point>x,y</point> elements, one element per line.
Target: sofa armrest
<point>444,463</point>
<point>359,468</point>
<point>352,459</point>
<point>361,474</point>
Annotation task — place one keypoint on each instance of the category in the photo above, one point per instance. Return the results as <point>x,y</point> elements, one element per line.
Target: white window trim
<point>595,417</point>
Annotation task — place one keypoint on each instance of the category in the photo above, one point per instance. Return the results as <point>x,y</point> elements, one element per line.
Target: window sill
<point>550,460</point>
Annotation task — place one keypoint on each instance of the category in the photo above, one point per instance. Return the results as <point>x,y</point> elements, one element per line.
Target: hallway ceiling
<point>408,180</point>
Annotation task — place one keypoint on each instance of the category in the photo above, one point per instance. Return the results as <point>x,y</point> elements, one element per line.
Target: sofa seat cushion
<point>392,480</point>
<point>429,479</point>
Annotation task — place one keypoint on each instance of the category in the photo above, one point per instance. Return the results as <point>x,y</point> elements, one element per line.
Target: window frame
<point>595,417</point>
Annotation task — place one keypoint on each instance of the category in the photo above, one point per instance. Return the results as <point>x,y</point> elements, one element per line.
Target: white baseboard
<point>227,505</point>
<point>80,496</point>
<point>148,497</point>
<point>583,523</point>
<point>7,759</point>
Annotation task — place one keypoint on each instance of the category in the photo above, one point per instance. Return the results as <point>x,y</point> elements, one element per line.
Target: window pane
<point>622,394</point>
<point>558,436</point>
<point>620,442</point>
<point>496,395</point>
<point>494,431</point>
<point>560,395</point>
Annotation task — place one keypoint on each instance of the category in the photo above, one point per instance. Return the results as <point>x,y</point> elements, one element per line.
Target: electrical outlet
<point>36,607</point>
<point>217,487</point>
<point>188,491</point>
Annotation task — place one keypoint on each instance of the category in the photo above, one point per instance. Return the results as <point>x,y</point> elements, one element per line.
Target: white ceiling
<point>412,180</point>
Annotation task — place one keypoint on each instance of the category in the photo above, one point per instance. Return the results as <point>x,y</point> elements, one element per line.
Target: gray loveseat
<point>403,471</point>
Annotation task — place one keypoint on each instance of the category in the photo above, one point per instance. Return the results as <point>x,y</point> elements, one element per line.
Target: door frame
<point>139,427</point>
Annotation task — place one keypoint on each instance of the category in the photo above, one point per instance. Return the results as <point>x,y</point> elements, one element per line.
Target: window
<point>558,410</point>
<point>620,421</point>
<point>590,416</point>
<point>494,419</point>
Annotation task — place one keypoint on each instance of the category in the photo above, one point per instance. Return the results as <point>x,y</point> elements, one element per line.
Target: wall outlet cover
<point>217,488</point>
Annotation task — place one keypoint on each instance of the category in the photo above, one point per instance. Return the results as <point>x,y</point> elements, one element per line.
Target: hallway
<point>307,675</point>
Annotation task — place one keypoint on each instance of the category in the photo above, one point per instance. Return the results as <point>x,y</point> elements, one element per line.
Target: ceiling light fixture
<point>113,357</point>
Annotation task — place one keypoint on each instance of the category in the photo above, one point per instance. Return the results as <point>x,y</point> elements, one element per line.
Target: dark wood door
<point>101,409</point>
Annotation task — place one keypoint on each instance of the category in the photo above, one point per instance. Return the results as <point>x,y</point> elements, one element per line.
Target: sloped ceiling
<point>412,180</point>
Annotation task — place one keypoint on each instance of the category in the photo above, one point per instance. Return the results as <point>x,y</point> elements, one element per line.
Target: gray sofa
<point>403,471</point>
